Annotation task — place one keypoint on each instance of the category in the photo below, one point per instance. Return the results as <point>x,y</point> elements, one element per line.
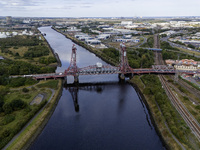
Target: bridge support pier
<point>131,76</point>
<point>76,79</point>
<point>121,77</point>
<point>65,80</point>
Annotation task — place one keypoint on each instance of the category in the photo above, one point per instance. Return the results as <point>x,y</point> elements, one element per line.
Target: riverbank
<point>30,133</point>
<point>89,48</point>
<point>156,119</point>
<point>170,125</point>
<point>59,64</point>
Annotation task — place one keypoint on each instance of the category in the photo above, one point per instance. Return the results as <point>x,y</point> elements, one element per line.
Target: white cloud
<point>104,8</point>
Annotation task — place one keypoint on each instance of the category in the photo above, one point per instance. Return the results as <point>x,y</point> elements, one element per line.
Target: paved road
<point>145,40</point>
<point>178,45</point>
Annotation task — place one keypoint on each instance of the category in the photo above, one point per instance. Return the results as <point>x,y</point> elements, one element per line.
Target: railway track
<point>189,119</point>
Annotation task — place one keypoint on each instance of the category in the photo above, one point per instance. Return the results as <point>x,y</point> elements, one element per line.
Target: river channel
<point>111,116</point>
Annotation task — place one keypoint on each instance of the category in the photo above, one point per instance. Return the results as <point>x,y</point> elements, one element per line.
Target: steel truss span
<point>98,69</point>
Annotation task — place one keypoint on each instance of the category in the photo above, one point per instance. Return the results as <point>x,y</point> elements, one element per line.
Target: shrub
<point>17,104</point>
<point>6,132</point>
<point>8,119</point>
<point>25,90</point>
<point>7,108</point>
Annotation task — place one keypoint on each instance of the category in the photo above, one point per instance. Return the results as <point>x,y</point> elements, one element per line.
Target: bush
<point>17,82</point>
<point>112,53</point>
<point>17,104</point>
<point>47,60</point>
<point>6,133</point>
<point>8,119</point>
<point>185,98</point>
<point>25,90</point>
<point>147,91</point>
<point>7,108</point>
<point>37,51</point>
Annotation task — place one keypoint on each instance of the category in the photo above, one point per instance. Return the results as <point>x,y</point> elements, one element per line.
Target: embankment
<point>59,64</point>
<point>156,117</point>
<point>26,138</point>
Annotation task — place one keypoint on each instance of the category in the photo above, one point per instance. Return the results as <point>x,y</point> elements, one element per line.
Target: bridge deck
<point>100,72</point>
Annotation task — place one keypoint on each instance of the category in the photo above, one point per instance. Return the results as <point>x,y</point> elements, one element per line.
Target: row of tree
<point>47,60</point>
<point>19,41</point>
<point>149,43</point>
<point>8,67</point>
<point>37,51</point>
<point>156,93</point>
<point>140,58</point>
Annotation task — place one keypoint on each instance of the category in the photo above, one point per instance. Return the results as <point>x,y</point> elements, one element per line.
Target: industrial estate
<point>159,57</point>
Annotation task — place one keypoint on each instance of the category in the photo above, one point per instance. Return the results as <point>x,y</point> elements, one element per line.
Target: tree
<point>7,108</point>
<point>25,90</point>
<point>191,46</point>
<point>17,104</point>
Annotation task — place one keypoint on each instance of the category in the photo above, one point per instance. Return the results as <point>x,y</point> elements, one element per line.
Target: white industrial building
<point>126,23</point>
<point>73,29</point>
<point>83,37</point>
<point>93,42</point>
<point>168,33</point>
<point>103,36</point>
<point>3,35</point>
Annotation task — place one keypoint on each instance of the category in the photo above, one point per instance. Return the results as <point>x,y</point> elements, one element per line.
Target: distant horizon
<point>103,8</point>
<point>122,17</point>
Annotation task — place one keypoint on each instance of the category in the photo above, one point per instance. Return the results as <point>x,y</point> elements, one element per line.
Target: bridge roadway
<point>107,69</point>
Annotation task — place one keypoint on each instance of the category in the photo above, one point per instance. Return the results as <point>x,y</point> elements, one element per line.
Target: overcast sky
<point>99,8</point>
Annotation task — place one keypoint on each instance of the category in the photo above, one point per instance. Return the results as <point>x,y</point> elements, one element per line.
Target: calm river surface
<point>111,115</point>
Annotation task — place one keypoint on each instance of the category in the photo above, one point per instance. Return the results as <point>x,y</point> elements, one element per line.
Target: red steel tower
<point>73,69</point>
<point>124,66</point>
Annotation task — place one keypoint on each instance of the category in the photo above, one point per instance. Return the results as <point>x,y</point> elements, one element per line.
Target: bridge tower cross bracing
<point>124,66</point>
<point>73,69</point>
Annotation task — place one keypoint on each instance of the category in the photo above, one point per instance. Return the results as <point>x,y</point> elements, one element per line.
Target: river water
<point>110,115</point>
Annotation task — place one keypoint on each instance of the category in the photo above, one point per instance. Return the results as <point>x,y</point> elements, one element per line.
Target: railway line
<point>189,119</point>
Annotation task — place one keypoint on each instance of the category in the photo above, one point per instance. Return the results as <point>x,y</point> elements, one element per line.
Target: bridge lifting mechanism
<point>123,68</point>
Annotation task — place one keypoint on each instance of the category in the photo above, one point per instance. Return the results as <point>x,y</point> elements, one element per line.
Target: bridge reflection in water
<point>92,87</point>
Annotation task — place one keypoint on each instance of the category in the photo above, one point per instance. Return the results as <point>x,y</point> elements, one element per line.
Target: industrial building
<point>93,42</point>
<point>103,36</point>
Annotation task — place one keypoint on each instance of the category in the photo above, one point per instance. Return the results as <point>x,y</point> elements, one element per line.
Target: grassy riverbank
<point>166,118</point>
<point>36,126</point>
<point>22,98</point>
